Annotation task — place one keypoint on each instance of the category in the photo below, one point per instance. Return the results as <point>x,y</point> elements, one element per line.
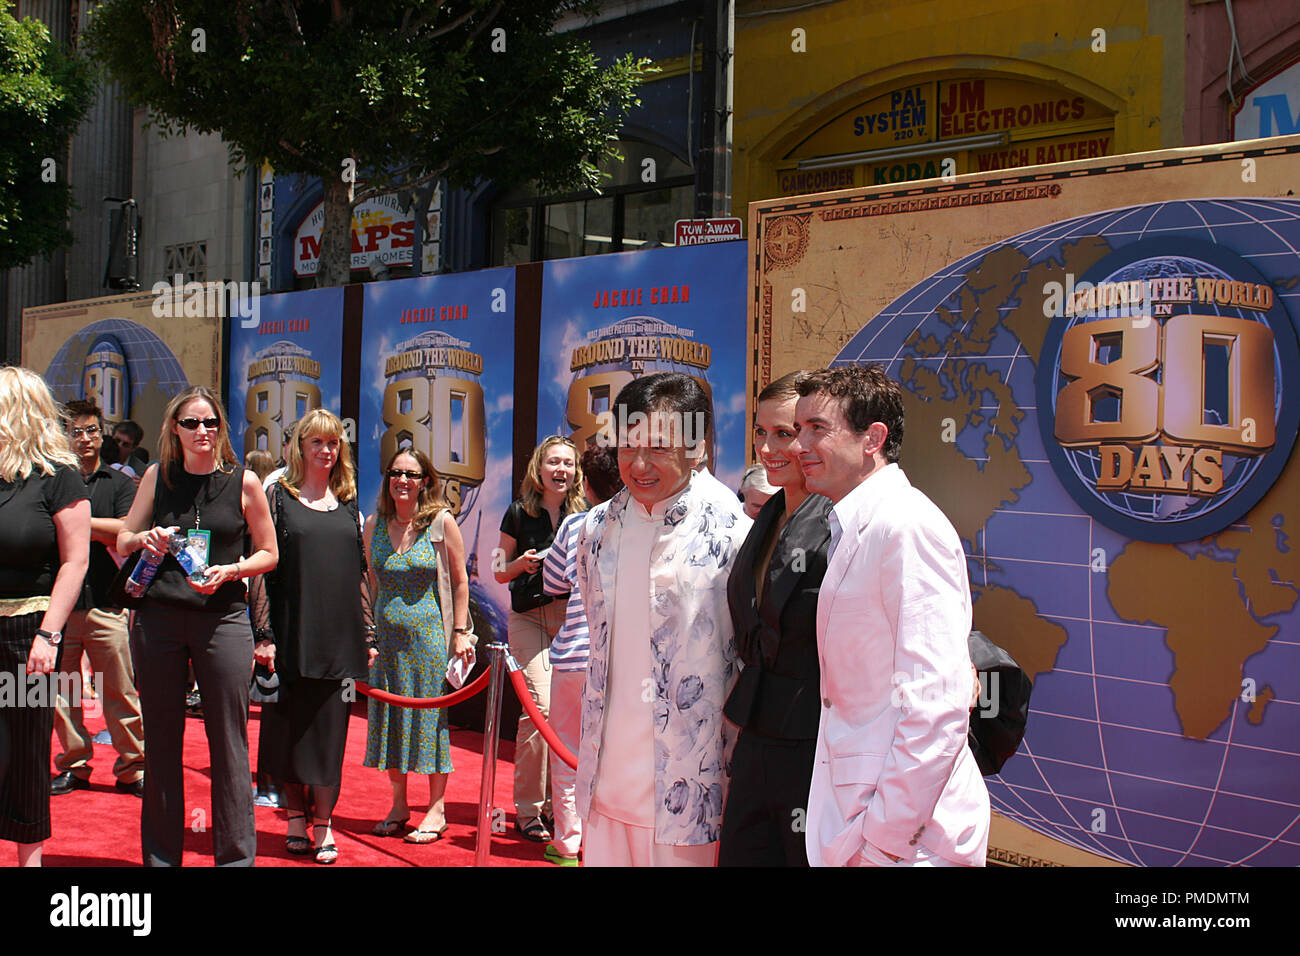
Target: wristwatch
<point>53,638</point>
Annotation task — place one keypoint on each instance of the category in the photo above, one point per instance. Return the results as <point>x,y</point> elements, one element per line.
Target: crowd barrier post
<point>491,737</point>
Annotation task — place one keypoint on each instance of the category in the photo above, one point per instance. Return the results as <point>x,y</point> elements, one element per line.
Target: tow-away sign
<point>693,232</point>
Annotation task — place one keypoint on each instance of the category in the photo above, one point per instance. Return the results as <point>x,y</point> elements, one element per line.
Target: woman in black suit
<point>773,596</point>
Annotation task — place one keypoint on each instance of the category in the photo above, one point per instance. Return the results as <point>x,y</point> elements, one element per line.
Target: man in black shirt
<point>97,629</point>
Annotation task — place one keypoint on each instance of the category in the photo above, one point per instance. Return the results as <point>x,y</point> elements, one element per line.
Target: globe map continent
<point>1164,722</point>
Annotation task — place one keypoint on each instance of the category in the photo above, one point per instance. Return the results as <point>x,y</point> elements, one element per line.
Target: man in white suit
<point>894,783</point>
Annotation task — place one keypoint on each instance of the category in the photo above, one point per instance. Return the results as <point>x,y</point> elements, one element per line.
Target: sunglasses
<point>399,473</point>
<point>191,424</point>
<point>90,431</point>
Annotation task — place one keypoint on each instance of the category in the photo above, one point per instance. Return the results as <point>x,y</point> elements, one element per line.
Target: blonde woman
<point>551,489</point>
<point>312,632</point>
<point>421,588</point>
<point>199,488</point>
<point>44,552</point>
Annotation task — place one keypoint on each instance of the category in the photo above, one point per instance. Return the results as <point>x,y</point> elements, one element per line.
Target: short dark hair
<point>132,430</point>
<point>109,453</point>
<point>600,471</point>
<point>80,408</point>
<point>670,392</point>
<point>866,395</point>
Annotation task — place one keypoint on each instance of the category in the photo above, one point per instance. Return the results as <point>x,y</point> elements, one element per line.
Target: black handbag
<point>526,593</point>
<point>997,724</point>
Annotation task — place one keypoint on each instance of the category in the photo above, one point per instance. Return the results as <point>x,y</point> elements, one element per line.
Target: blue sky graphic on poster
<point>437,371</point>
<point>608,319</point>
<point>286,366</point>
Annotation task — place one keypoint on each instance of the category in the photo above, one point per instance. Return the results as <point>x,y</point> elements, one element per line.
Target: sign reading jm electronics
<point>971,125</point>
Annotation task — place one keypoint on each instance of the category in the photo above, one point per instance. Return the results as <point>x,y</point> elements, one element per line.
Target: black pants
<point>164,641</point>
<point>767,805</point>
<point>26,723</point>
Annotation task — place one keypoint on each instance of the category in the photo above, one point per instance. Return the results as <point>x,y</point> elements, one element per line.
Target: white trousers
<point>872,856</point>
<point>566,719</point>
<point>610,843</point>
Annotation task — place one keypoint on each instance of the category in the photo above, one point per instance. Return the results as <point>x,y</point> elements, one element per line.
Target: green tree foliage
<point>408,92</point>
<point>43,94</point>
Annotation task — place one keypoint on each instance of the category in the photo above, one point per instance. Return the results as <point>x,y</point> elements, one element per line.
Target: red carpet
<point>101,827</point>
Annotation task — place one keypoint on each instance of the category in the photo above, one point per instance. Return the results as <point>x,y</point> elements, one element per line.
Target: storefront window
<point>649,217</point>
<point>644,195</point>
<point>512,235</point>
<point>581,228</point>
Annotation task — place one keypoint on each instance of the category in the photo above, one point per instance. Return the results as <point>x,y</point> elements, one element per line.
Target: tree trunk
<point>335,266</point>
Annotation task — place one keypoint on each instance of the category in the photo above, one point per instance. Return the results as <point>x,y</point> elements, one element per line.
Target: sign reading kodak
<point>1166,388</point>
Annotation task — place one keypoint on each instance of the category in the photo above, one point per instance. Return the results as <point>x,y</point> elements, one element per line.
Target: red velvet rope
<point>545,729</point>
<point>423,703</point>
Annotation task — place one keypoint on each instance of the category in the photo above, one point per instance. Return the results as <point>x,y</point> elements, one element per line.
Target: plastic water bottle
<point>189,559</point>
<point>143,574</point>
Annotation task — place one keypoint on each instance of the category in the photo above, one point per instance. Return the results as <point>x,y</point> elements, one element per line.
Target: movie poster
<point>437,374</point>
<point>607,320</point>
<point>1101,383</point>
<point>284,367</point>
<point>128,353</point>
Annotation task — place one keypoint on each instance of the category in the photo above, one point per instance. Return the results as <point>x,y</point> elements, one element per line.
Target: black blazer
<point>778,692</point>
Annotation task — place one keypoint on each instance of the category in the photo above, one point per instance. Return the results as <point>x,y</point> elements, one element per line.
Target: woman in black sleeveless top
<point>199,489</point>
<point>310,626</point>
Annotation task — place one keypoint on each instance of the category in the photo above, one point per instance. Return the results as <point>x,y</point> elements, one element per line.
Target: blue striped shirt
<point>560,577</point>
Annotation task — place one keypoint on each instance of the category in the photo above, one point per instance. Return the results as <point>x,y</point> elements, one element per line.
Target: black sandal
<point>298,845</point>
<point>390,828</point>
<point>535,831</point>
<point>326,852</point>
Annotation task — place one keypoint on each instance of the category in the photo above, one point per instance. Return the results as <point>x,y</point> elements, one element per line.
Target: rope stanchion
<point>546,730</point>
<point>424,703</point>
<point>497,653</point>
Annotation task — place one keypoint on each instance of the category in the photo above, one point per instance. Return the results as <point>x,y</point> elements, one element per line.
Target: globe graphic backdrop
<point>1165,720</point>
<point>153,369</point>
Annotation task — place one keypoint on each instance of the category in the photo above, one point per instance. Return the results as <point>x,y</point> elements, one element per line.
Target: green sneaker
<point>559,859</point>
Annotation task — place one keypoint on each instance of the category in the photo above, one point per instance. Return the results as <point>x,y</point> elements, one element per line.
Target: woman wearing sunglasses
<point>551,489</point>
<point>198,488</point>
<point>421,588</point>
